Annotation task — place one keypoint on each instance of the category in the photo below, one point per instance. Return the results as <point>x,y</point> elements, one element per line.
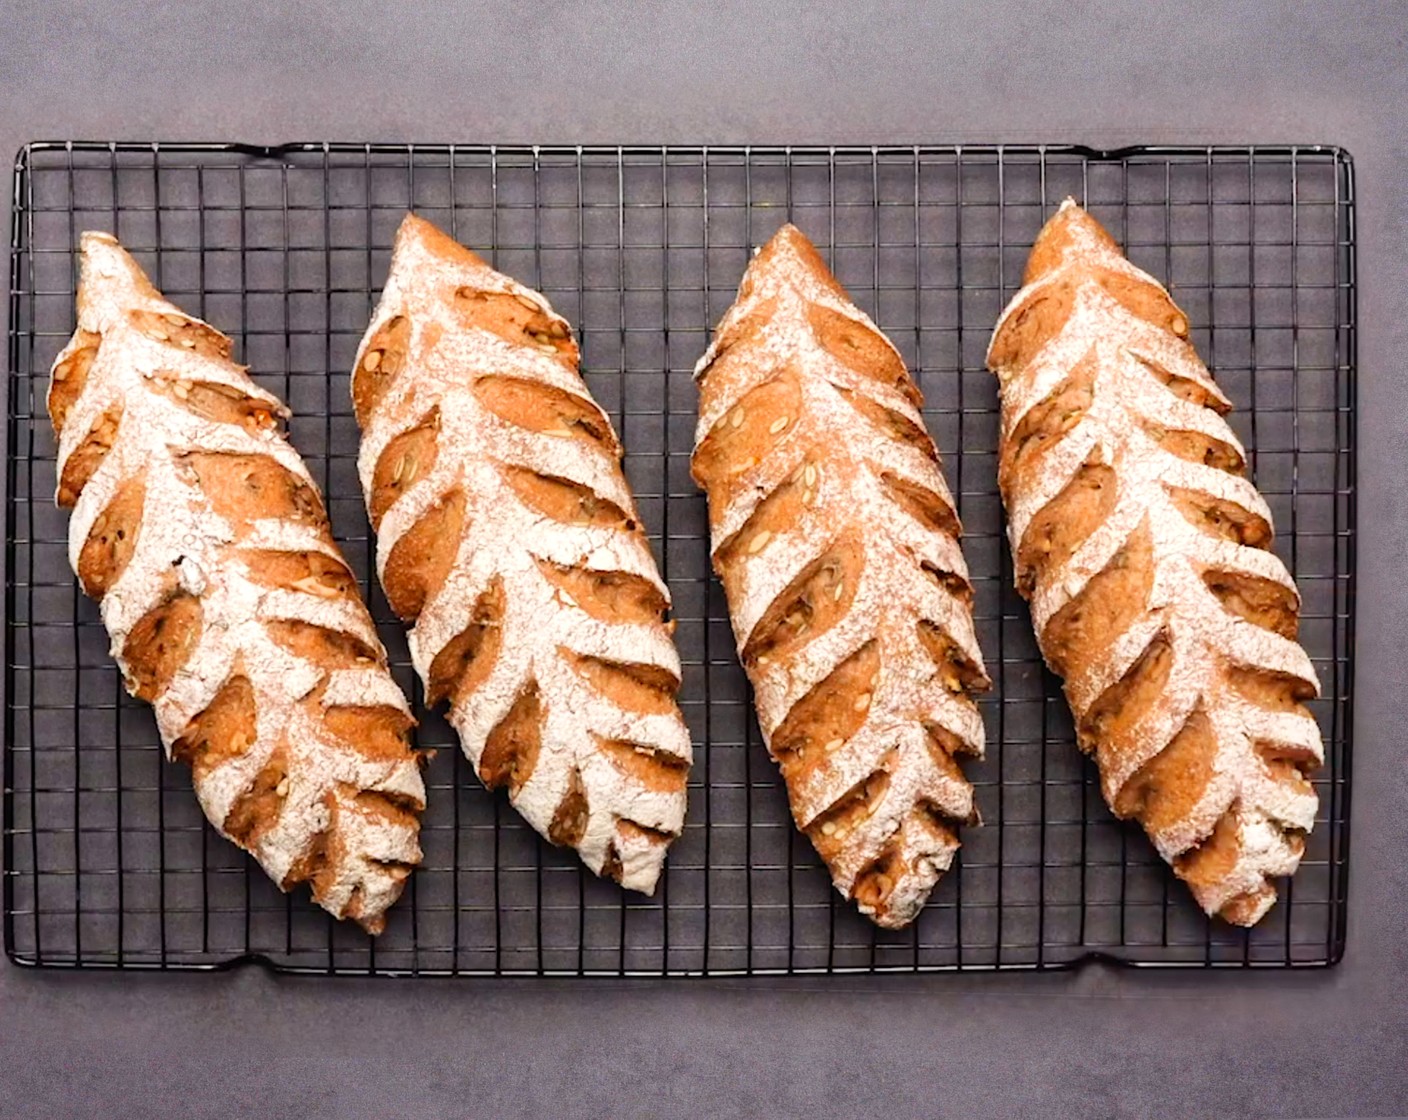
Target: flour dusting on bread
<point>197,526</point>
<point>1145,553</point>
<point>837,543</point>
<point>507,535</point>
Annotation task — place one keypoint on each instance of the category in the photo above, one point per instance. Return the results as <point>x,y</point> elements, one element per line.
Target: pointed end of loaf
<point>103,253</point>
<point>1069,232</point>
<point>786,262</point>
<point>790,238</point>
<point>1247,909</point>
<point>1232,872</point>
<point>789,254</point>
<point>106,265</point>
<point>419,236</point>
<point>97,239</point>
<point>1070,240</point>
<point>373,926</point>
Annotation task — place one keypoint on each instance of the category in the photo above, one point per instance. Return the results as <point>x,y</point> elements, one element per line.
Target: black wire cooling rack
<point>107,859</point>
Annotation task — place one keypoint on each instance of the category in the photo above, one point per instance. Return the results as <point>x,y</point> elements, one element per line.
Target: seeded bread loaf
<point>837,543</point>
<point>196,526</point>
<point>508,537</point>
<point>1145,553</point>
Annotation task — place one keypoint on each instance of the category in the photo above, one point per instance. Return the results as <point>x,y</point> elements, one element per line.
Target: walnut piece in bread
<point>1145,553</point>
<point>507,535</point>
<point>837,543</point>
<point>197,527</point>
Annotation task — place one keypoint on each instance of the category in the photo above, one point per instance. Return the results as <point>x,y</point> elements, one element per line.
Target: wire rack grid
<point>107,859</point>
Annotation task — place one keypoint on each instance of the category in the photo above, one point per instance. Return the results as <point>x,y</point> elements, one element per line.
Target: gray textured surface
<point>1097,1043</point>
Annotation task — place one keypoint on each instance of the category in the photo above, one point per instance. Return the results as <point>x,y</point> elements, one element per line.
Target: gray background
<point>1097,1043</point>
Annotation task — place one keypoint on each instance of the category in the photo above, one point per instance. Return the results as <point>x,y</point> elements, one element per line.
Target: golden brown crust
<point>197,528</point>
<point>507,535</point>
<point>836,541</point>
<point>1143,550</point>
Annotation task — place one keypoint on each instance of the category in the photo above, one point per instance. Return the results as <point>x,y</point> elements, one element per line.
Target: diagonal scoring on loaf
<point>1144,551</point>
<point>507,534</point>
<point>837,543</point>
<point>229,607</point>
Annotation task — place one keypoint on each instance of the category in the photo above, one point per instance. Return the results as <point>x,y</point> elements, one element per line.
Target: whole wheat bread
<point>197,527</point>
<point>837,543</point>
<point>1145,553</point>
<point>506,534</point>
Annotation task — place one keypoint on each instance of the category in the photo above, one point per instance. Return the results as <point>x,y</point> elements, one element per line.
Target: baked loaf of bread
<point>1145,553</point>
<point>837,544</point>
<point>507,535</point>
<point>231,612</point>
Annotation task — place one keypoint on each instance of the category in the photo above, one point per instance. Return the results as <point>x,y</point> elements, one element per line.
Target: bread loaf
<point>508,537</point>
<point>197,527</point>
<point>837,543</point>
<point>1145,553</point>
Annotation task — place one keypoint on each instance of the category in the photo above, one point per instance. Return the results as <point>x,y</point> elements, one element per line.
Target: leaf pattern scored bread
<point>507,536</point>
<point>837,543</point>
<point>1145,553</point>
<point>197,527</point>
